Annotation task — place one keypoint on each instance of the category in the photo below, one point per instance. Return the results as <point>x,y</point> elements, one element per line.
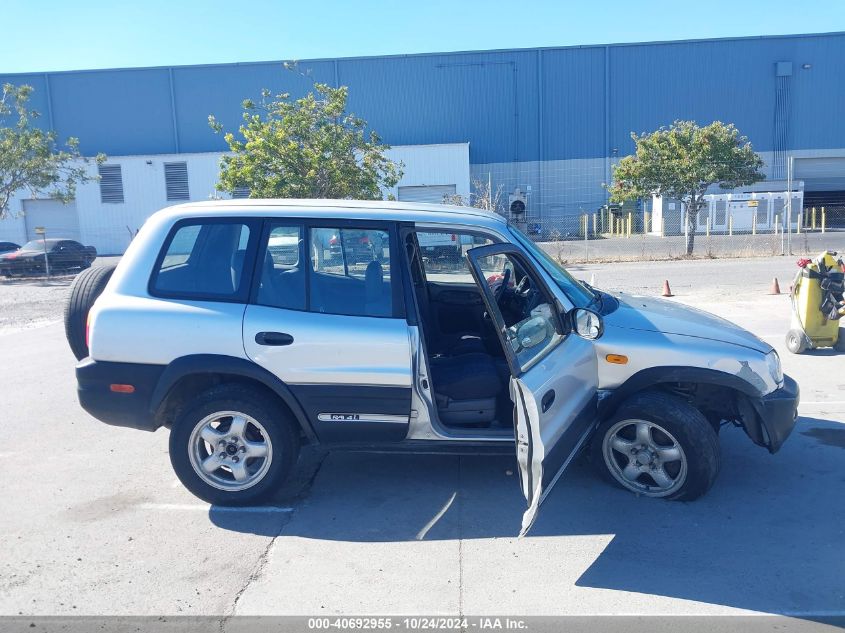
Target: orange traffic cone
<point>775,287</point>
<point>666,291</point>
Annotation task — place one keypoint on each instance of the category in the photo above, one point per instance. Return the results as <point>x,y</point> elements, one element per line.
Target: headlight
<point>775,369</point>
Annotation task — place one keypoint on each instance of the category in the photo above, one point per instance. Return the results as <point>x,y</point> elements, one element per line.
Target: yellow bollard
<point>730,225</point>
<point>595,224</point>
<point>754,223</point>
<point>824,219</point>
<point>646,222</point>
<point>708,226</point>
<point>814,218</point>
<point>798,223</point>
<point>630,223</point>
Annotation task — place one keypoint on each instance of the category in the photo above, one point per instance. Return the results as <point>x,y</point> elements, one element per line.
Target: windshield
<point>577,293</point>
<point>36,245</point>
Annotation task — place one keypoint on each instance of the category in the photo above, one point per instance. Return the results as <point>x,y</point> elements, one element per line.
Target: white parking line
<point>822,402</point>
<point>206,508</point>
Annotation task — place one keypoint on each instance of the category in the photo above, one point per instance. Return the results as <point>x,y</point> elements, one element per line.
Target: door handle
<point>548,400</point>
<point>273,338</point>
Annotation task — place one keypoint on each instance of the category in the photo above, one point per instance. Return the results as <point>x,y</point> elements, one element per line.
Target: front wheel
<point>839,346</point>
<point>233,446</point>
<point>658,445</point>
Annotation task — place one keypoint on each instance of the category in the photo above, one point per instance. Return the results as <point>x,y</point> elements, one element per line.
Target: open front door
<point>553,371</point>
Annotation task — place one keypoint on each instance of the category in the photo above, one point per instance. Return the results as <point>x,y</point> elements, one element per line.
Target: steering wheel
<point>500,291</point>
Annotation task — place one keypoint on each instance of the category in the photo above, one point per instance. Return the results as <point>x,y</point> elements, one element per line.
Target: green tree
<point>30,158</point>
<point>305,148</point>
<point>682,161</point>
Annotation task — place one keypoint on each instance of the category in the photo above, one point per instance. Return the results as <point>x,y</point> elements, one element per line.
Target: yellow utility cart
<point>817,304</point>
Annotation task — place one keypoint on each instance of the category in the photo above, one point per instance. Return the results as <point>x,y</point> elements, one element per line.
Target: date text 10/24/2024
<point>419,623</point>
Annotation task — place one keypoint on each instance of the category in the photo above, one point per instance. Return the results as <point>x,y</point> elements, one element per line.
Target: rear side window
<point>203,260</point>
<point>350,272</point>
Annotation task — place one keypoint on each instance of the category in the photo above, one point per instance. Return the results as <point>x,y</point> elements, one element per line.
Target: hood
<point>668,317</point>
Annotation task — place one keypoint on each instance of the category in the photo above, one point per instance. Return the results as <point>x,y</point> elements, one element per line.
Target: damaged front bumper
<point>776,414</point>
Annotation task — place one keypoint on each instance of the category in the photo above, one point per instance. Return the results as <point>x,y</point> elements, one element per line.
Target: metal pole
<point>46,256</point>
<point>586,237</point>
<point>789,166</point>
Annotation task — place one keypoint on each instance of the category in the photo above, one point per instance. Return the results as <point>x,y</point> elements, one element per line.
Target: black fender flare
<point>653,376</point>
<point>198,364</point>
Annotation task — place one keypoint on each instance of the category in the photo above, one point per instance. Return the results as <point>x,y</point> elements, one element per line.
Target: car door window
<point>524,309</point>
<point>443,255</point>
<point>282,274</point>
<point>350,272</point>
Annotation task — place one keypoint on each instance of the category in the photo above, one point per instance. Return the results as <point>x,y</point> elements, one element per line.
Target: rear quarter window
<point>205,259</point>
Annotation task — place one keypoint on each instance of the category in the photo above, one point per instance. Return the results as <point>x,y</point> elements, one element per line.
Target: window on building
<point>350,272</point>
<point>111,183</point>
<point>176,181</point>
<point>203,260</point>
<point>282,280</point>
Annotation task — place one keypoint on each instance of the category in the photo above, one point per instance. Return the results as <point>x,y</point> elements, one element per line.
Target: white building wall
<point>108,226</point>
<point>427,165</point>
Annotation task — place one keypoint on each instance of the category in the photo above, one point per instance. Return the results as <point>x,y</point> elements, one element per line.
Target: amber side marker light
<point>616,359</point>
<point>122,388</point>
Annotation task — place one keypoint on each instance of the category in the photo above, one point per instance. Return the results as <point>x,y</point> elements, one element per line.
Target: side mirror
<point>586,323</point>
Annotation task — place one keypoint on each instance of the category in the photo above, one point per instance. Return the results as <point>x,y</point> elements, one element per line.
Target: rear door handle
<point>273,338</point>
<point>547,400</point>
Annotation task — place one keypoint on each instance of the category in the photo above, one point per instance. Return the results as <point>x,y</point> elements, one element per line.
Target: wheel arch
<point>702,386</point>
<point>188,374</point>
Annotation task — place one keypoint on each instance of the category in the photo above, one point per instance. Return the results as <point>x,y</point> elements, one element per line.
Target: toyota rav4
<point>235,325</point>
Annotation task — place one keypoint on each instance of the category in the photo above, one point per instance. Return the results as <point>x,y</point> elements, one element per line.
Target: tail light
<point>454,237</point>
<point>365,240</point>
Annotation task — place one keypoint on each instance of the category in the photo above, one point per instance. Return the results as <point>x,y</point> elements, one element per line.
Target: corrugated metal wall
<point>519,105</point>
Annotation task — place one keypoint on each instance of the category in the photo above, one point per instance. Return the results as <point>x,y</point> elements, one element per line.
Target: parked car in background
<point>6,247</point>
<point>63,256</point>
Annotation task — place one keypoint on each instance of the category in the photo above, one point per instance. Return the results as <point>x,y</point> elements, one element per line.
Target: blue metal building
<point>547,120</point>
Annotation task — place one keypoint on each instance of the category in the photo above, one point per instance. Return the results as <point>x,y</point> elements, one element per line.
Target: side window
<point>443,255</point>
<point>282,278</point>
<point>202,260</point>
<point>350,272</point>
<point>532,326</point>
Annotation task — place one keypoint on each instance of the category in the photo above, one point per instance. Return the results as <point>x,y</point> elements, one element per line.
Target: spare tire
<point>88,285</point>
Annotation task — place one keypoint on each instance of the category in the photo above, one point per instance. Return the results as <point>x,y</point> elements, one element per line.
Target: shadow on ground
<point>768,537</point>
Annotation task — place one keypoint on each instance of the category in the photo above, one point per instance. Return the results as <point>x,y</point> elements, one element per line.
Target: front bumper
<point>94,380</point>
<point>777,413</point>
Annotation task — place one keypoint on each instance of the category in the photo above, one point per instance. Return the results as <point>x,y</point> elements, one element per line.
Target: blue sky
<point>61,35</point>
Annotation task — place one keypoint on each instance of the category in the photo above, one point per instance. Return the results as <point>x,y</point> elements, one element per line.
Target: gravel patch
<point>31,302</point>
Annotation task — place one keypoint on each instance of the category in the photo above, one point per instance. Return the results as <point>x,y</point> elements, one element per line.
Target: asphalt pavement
<point>95,522</point>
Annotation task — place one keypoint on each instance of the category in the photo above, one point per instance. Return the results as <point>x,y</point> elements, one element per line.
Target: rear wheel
<point>86,287</point>
<point>796,341</point>
<point>233,446</point>
<point>658,445</point>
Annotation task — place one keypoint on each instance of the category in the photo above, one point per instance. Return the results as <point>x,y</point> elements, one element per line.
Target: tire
<point>796,341</point>
<point>839,346</point>
<point>267,424</point>
<point>681,458</point>
<point>86,287</point>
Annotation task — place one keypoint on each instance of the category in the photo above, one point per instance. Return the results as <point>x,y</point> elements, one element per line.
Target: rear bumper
<point>778,413</point>
<point>94,380</point>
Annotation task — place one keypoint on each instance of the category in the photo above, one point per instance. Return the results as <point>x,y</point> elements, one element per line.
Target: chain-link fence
<point>576,223</point>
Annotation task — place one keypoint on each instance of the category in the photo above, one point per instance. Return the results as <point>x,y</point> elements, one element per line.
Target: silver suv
<point>252,327</point>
